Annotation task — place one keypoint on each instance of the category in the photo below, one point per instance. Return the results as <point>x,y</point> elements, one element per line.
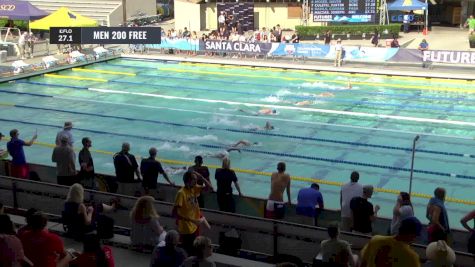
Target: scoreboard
<point>351,11</point>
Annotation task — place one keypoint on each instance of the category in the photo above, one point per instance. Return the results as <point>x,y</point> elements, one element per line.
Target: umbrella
<point>20,10</point>
<point>63,17</point>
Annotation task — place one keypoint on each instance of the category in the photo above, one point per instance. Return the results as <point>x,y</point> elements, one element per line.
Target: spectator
<point>186,33</point>
<point>150,168</point>
<point>125,167</point>
<point>363,212</point>
<point>406,19</point>
<point>42,247</point>
<point>394,251</point>
<point>439,254</point>
<point>204,172</point>
<point>187,211</point>
<point>221,20</point>
<point>375,38</point>
<point>146,231</point>
<point>278,33</point>
<point>437,215</point>
<point>402,210</point>
<point>395,42</point>
<point>224,177</point>
<point>295,38</point>
<point>27,226</point>
<point>348,192</point>
<point>338,53</point>
<point>327,39</point>
<point>93,255</point>
<point>336,251</point>
<point>310,202</point>
<point>76,216</point>
<point>19,167</point>
<point>68,126</point>
<point>168,255</point>
<point>424,45</point>
<point>471,241</point>
<point>65,159</point>
<point>11,250</point>
<point>204,250</point>
<point>22,44</point>
<point>3,152</point>
<point>470,23</point>
<point>86,175</point>
<point>280,181</point>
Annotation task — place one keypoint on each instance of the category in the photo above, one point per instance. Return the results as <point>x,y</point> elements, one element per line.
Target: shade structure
<point>20,10</point>
<point>63,17</point>
<point>407,5</point>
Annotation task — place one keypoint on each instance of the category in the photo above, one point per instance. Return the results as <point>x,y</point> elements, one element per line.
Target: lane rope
<point>372,84</point>
<point>314,98</point>
<point>252,132</point>
<point>332,73</point>
<point>263,118</point>
<point>261,85</point>
<point>268,174</point>
<point>263,152</point>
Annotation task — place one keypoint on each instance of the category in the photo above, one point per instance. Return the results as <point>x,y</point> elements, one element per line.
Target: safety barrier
<point>274,236</point>
<point>316,51</point>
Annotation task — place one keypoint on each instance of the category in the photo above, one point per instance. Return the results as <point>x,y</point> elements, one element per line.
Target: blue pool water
<point>186,109</point>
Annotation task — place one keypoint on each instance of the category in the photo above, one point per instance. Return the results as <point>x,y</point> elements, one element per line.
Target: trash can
<point>3,56</point>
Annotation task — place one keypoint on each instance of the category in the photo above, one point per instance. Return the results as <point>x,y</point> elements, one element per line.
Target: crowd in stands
<point>89,222</point>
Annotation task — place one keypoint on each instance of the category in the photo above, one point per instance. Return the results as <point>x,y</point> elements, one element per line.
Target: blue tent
<point>407,5</point>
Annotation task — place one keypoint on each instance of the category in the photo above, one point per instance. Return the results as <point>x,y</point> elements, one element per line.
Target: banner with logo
<point>235,47</point>
<point>300,50</point>
<point>175,43</point>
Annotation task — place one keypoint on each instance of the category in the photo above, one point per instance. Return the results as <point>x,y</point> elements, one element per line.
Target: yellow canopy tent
<point>63,17</point>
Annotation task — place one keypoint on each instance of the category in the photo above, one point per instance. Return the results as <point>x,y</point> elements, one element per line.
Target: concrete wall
<point>148,7</point>
<point>204,16</point>
<point>187,15</point>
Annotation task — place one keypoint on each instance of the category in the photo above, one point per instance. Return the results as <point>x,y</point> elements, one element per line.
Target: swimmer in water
<point>264,111</point>
<point>267,127</point>
<point>304,103</point>
<point>218,155</point>
<point>349,86</point>
<point>240,144</point>
<point>175,170</point>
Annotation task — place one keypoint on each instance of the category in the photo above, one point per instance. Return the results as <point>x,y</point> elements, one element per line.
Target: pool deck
<point>439,71</point>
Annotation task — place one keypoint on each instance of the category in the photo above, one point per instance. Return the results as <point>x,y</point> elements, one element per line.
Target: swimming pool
<point>185,109</point>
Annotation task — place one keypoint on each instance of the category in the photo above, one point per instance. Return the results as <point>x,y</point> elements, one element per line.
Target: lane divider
<point>256,151</point>
<point>316,110</point>
<point>326,111</point>
<point>332,73</point>
<point>268,174</point>
<point>315,98</point>
<point>57,76</point>
<point>372,84</point>
<point>255,132</point>
<point>266,85</point>
<point>263,118</point>
<point>104,71</point>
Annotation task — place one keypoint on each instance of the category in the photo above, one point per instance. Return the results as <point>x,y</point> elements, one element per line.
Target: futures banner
<point>235,47</point>
<point>455,57</point>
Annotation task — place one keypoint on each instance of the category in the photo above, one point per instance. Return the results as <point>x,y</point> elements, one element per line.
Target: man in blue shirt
<point>310,201</point>
<point>19,168</point>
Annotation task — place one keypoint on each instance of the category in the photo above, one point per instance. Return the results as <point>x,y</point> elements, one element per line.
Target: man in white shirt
<point>347,193</point>
<point>338,53</point>
<point>22,44</point>
<point>68,126</point>
<point>221,20</point>
<point>406,21</point>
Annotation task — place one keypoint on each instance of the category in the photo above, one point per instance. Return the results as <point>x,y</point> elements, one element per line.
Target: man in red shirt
<point>43,248</point>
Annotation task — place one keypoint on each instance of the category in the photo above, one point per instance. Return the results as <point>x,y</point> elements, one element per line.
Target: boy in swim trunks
<point>280,181</point>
